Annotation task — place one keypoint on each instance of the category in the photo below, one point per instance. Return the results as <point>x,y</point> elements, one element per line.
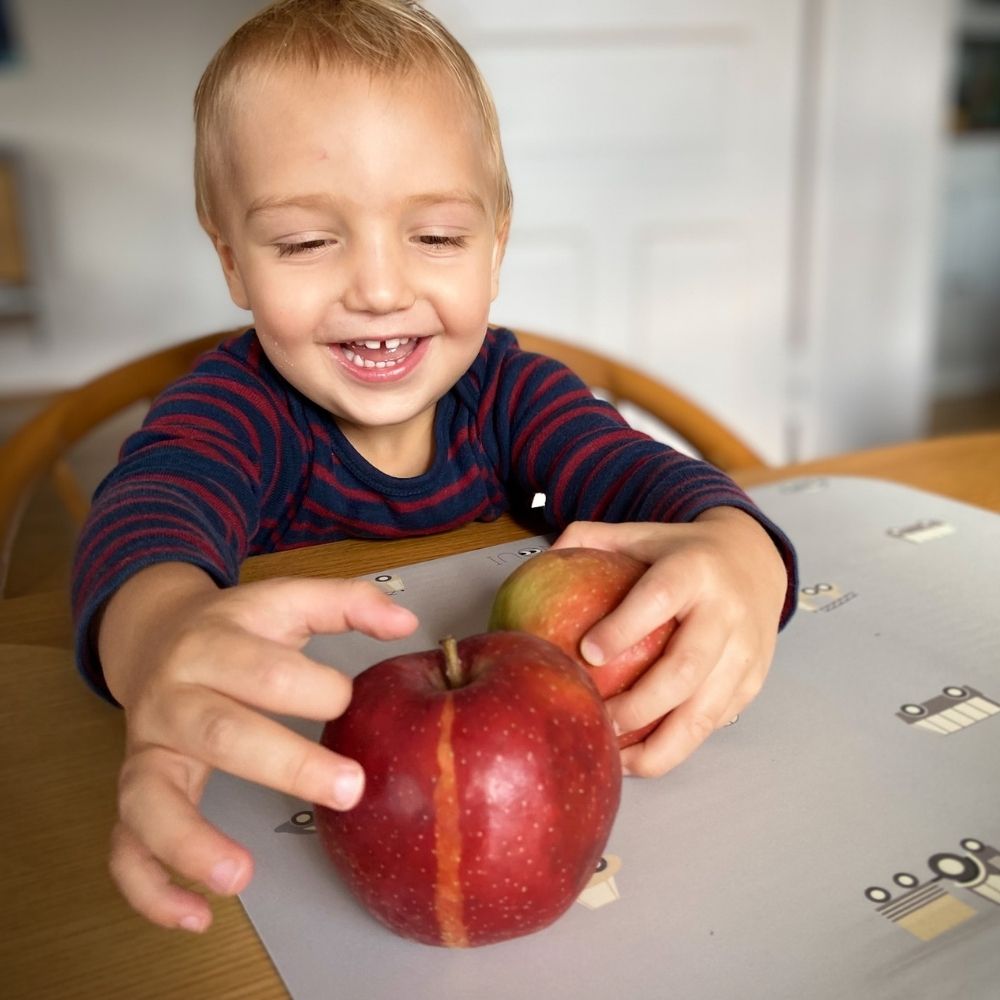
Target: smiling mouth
<point>379,353</point>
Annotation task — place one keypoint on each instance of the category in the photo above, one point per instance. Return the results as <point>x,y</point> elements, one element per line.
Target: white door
<point>651,145</point>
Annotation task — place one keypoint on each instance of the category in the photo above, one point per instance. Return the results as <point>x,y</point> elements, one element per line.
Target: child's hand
<point>195,669</point>
<point>724,580</point>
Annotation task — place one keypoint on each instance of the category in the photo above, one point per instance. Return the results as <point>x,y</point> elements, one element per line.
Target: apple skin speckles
<point>488,804</point>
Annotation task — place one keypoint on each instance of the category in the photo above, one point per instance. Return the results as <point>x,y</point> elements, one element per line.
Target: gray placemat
<point>841,840</point>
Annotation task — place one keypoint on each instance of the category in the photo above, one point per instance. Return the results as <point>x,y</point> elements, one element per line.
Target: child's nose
<point>378,281</point>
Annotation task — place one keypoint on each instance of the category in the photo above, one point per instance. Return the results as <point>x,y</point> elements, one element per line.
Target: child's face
<point>358,226</point>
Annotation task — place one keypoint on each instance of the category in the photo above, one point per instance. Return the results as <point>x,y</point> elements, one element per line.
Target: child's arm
<point>725,581</point>
<point>195,668</point>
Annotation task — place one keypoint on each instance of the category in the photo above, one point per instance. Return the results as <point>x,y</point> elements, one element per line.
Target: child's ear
<point>231,269</point>
<point>499,247</point>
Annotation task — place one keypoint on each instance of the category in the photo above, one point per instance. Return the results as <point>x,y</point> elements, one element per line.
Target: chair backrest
<point>39,447</point>
<point>713,440</point>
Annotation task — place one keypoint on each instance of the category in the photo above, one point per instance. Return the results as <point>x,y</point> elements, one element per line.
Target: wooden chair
<point>39,448</point>
<point>620,383</point>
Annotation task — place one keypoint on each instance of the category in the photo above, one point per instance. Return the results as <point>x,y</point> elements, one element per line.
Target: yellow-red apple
<point>561,594</point>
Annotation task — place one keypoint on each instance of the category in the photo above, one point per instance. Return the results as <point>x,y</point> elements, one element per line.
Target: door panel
<point>651,150</point>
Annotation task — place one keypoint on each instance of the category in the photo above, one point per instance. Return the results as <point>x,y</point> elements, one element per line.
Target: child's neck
<point>403,451</point>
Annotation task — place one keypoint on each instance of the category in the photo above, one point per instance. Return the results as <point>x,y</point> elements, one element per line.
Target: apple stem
<point>453,672</point>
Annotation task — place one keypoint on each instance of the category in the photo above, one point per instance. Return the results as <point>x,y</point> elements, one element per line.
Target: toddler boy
<point>349,173</point>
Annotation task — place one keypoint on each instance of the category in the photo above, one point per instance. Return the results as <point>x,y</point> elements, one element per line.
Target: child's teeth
<point>355,359</point>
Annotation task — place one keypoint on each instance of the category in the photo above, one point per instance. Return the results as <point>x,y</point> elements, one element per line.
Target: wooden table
<point>64,932</point>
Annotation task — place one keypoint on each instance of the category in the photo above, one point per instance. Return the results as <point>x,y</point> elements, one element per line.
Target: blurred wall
<point>98,100</point>
<point>866,271</point>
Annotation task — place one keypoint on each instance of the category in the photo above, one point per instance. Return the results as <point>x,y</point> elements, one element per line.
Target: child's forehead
<point>299,80</point>
<point>289,123</point>
<point>289,101</point>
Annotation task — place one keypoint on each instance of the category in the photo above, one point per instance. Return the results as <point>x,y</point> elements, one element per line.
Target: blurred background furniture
<point>682,421</point>
<point>37,459</point>
<point>16,285</point>
<point>42,455</point>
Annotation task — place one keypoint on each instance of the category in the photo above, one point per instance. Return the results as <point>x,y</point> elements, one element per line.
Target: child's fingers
<point>290,610</point>
<point>597,535</point>
<point>731,686</point>
<point>693,653</point>
<point>161,826</point>
<point>745,693</point>
<point>147,887</point>
<point>653,601</point>
<point>679,735</point>
<point>254,671</point>
<point>643,540</point>
<point>669,589</point>
<point>228,736</point>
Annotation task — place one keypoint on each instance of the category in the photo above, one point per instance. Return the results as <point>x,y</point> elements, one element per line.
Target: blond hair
<point>383,37</point>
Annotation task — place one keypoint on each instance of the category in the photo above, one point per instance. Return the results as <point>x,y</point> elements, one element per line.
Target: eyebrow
<point>321,201</point>
<point>272,204</point>
<point>446,197</point>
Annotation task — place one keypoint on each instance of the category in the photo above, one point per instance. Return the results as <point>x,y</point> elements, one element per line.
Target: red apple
<point>492,781</point>
<point>561,593</point>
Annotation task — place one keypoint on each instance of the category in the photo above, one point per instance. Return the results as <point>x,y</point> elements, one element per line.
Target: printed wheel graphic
<point>876,894</point>
<point>955,867</point>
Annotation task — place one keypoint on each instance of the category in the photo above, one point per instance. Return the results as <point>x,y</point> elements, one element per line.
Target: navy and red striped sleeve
<point>188,487</point>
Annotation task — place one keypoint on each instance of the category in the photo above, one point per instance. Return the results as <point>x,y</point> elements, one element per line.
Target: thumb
<point>645,615</point>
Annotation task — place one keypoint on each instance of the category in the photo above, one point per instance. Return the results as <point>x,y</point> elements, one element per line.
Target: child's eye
<point>439,241</point>
<point>290,249</point>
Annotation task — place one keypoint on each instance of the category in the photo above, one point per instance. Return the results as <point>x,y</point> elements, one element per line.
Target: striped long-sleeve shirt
<point>232,461</point>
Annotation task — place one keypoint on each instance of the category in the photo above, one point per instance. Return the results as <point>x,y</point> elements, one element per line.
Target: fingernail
<point>192,923</point>
<point>592,653</point>
<point>616,728</point>
<point>347,787</point>
<point>223,876</point>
